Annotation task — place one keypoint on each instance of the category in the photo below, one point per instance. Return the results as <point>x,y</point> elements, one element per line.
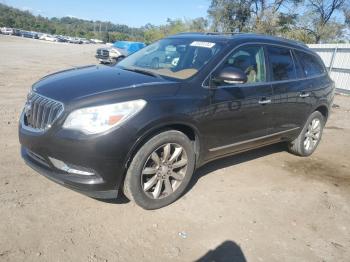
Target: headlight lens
<point>93,120</point>
<point>114,51</point>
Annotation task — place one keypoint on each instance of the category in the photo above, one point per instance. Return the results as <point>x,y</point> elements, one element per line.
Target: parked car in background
<point>144,127</point>
<point>48,37</point>
<point>28,34</point>
<point>61,39</point>
<point>96,41</point>
<point>75,40</point>
<point>85,41</point>
<point>118,51</point>
<point>7,31</point>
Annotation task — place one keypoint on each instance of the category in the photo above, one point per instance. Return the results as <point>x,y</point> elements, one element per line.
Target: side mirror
<point>230,75</point>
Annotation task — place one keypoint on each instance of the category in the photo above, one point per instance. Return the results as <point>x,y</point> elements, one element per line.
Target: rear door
<point>288,108</point>
<point>316,83</point>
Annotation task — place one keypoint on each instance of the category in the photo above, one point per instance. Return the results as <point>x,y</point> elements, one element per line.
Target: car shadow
<point>120,199</point>
<point>213,166</point>
<point>228,251</point>
<point>233,160</point>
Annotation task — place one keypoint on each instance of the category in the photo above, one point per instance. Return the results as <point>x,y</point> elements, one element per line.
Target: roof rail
<point>190,33</point>
<point>246,33</point>
<point>291,40</point>
<point>296,42</point>
<point>207,33</point>
<point>223,33</point>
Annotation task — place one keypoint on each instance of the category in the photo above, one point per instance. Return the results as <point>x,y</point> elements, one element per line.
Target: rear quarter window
<point>281,63</point>
<point>310,64</point>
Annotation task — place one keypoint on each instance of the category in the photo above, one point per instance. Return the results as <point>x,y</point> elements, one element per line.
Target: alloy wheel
<point>164,170</point>
<point>312,135</point>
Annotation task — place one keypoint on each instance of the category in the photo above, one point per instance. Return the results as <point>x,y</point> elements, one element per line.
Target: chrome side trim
<point>304,95</point>
<point>252,140</point>
<point>264,102</point>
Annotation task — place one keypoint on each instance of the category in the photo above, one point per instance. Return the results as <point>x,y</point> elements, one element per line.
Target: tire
<point>119,58</point>
<point>138,184</point>
<point>299,145</point>
<point>116,60</point>
<point>113,61</point>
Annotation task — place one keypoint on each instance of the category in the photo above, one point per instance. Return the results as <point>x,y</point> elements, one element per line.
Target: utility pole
<point>107,32</point>
<point>100,32</point>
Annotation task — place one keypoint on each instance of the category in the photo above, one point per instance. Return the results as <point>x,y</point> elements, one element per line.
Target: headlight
<point>93,120</point>
<point>114,51</point>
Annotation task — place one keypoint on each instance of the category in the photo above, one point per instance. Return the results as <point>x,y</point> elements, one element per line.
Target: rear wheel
<point>160,171</point>
<point>307,141</point>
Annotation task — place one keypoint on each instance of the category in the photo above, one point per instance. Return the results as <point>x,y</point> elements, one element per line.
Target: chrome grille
<point>41,112</point>
<point>102,52</point>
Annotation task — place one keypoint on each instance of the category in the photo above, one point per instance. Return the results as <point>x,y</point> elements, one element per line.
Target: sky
<point>134,13</point>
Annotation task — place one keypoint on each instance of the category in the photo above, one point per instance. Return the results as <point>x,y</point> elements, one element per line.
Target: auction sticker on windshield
<point>202,44</point>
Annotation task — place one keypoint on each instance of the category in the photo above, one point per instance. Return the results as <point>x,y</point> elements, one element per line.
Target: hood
<point>78,83</point>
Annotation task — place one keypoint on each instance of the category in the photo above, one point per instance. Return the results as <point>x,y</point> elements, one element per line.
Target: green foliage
<point>315,24</point>
<point>106,31</point>
<point>230,15</point>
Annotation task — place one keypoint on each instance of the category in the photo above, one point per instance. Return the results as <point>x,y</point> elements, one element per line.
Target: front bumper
<point>73,182</point>
<point>104,156</point>
<point>104,59</point>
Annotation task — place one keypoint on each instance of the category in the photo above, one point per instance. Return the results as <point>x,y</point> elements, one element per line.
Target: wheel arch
<point>324,110</point>
<point>188,129</point>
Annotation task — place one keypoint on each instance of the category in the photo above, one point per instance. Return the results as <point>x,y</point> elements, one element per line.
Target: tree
<point>317,20</point>
<point>346,10</point>
<point>152,34</point>
<point>229,15</point>
<point>267,17</point>
<point>199,24</point>
<point>248,15</point>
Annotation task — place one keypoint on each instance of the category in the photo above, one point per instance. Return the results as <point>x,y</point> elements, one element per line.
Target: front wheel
<point>309,138</point>
<point>160,171</point>
<point>117,60</point>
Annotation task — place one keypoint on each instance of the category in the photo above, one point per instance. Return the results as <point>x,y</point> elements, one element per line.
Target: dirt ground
<point>264,205</point>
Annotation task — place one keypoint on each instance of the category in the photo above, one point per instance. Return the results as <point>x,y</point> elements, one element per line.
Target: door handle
<point>304,94</point>
<point>264,101</point>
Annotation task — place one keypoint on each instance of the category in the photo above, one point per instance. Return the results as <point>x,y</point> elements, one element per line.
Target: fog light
<point>64,167</point>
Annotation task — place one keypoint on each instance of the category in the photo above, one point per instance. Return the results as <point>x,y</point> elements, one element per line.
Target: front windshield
<point>175,58</point>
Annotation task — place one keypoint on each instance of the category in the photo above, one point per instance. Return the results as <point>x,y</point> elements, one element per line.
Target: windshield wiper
<point>141,71</point>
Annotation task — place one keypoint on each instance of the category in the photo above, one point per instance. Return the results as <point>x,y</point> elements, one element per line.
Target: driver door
<point>240,112</point>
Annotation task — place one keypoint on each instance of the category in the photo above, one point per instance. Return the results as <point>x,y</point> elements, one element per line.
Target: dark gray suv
<point>144,125</point>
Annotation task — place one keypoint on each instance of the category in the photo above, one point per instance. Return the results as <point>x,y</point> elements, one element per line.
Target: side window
<point>311,66</point>
<point>251,60</point>
<point>281,63</point>
<point>297,64</point>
